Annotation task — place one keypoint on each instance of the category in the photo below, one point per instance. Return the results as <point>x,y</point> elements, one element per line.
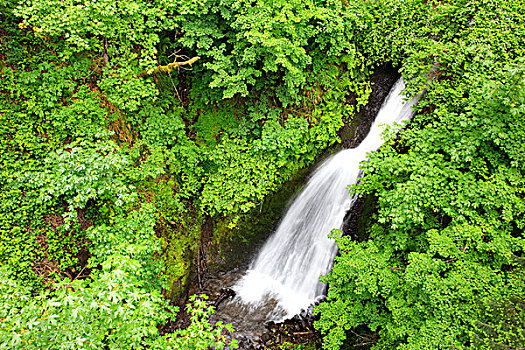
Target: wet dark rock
<point>265,337</point>
<point>303,322</point>
<point>310,311</point>
<point>225,293</point>
<point>302,312</point>
<point>320,300</point>
<point>357,128</point>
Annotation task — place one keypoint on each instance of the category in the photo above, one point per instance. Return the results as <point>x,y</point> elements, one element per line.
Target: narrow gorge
<point>283,279</point>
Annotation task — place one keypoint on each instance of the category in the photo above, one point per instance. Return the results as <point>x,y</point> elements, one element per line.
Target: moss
<point>179,227</point>
<point>180,244</point>
<point>365,218</point>
<point>177,268</point>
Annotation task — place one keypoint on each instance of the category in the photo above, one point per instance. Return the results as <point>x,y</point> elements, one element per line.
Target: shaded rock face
<point>381,82</point>
<point>220,270</point>
<point>251,328</point>
<point>356,129</point>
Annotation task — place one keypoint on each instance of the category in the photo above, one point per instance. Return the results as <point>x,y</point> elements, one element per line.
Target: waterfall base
<point>252,322</point>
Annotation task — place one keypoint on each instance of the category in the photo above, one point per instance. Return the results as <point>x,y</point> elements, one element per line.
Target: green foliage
<point>214,122</point>
<point>277,43</point>
<point>96,25</point>
<point>110,310</point>
<point>244,173</point>
<point>200,334</point>
<point>65,245</point>
<point>130,236</point>
<point>162,129</point>
<point>81,172</point>
<point>447,236</point>
<point>108,172</point>
<point>247,47</point>
<point>285,345</point>
<point>502,325</point>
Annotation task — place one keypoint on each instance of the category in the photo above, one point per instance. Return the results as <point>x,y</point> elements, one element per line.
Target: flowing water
<point>286,271</point>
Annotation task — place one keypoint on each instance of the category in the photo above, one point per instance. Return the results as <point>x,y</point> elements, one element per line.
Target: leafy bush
<point>447,236</point>
<point>111,310</point>
<point>84,171</point>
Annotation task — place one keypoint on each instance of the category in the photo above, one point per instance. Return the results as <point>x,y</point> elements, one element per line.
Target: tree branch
<point>170,66</point>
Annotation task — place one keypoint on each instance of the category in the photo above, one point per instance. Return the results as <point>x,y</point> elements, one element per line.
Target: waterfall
<point>288,266</point>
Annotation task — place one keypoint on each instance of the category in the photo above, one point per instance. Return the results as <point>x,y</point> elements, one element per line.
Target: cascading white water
<point>289,265</point>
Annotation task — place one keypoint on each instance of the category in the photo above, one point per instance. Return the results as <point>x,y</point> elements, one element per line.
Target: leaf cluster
<point>447,239</point>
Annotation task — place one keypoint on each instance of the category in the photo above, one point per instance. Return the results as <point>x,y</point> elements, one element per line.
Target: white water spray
<point>289,265</point>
